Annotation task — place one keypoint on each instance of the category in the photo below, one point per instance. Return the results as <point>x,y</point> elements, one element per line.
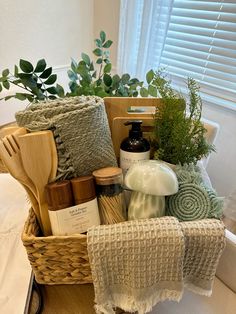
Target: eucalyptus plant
<point>36,82</point>
<point>89,77</point>
<point>86,77</point>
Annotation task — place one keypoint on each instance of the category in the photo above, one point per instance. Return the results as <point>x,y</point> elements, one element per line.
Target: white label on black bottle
<point>75,219</point>
<point>128,158</point>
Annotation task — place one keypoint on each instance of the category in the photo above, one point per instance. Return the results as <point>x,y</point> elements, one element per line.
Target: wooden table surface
<point>65,299</point>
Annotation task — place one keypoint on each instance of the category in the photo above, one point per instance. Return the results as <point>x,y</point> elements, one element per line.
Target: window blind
<point>201,43</point>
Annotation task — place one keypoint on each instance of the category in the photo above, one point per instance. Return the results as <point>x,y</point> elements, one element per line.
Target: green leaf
<point>16,70</point>
<point>39,94</point>
<point>107,60</point>
<point>99,61</point>
<point>94,74</point>
<point>52,97</point>
<point>103,36</point>
<point>20,96</point>
<point>149,76</point>
<point>152,90</point>
<point>133,81</point>
<point>29,97</point>
<point>51,80</point>
<point>73,86</point>
<point>8,97</point>
<point>98,82</point>
<point>60,90</point>
<point>73,65</point>
<point>0,87</point>
<point>125,78</point>
<point>107,54</point>
<point>24,76</point>
<point>102,94</point>
<point>143,92</point>
<point>123,91</point>
<point>6,84</point>
<point>85,58</point>
<point>82,70</point>
<point>82,63</point>
<point>107,68</point>
<point>41,66</point>
<point>28,81</point>
<point>5,72</point>
<point>98,43</point>
<point>52,90</point>
<point>115,81</point>
<point>97,52</point>
<point>26,66</point>
<point>3,78</point>
<point>46,73</point>
<point>91,67</point>
<point>107,79</point>
<point>107,44</point>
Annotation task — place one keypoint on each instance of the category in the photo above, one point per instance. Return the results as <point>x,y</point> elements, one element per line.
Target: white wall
<point>106,18</point>
<point>55,30</point>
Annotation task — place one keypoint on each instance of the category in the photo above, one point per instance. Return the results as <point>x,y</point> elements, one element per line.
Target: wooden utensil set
<point>31,158</point>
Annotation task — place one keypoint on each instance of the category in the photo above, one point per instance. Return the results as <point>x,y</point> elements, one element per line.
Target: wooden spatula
<point>54,161</point>
<point>36,153</point>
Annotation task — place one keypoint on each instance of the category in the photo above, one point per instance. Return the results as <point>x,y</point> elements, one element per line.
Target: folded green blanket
<point>194,200</point>
<point>81,131</point>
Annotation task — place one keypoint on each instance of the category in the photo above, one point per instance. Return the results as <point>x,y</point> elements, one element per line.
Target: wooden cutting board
<point>122,109</point>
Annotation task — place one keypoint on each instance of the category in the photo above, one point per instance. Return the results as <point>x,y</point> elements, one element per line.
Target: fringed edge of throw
<point>198,290</point>
<point>131,304</point>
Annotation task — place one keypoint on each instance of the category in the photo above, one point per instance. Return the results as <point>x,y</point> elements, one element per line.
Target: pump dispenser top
<point>133,148</point>
<point>135,131</point>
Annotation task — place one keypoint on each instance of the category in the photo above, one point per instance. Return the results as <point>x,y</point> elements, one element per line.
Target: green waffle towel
<point>194,200</point>
<point>81,131</point>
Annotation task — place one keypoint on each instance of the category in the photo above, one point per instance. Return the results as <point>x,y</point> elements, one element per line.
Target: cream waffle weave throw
<point>137,264</point>
<point>81,131</point>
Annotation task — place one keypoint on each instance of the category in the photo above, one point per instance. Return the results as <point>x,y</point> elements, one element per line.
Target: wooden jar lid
<point>59,195</point>
<point>83,189</point>
<point>108,175</point>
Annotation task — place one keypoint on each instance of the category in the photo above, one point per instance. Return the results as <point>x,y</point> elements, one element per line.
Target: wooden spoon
<point>10,155</point>
<point>36,153</point>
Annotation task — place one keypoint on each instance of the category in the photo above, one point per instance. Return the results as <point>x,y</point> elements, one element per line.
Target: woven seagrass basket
<point>64,259</point>
<point>56,259</point>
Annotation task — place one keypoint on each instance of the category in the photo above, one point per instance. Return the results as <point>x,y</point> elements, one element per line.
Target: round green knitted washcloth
<point>190,203</point>
<point>194,200</point>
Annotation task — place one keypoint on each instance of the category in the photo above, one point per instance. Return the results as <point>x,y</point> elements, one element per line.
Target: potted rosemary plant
<point>179,134</point>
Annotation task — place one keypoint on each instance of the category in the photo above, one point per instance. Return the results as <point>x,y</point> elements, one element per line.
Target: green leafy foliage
<point>178,136</point>
<point>89,77</point>
<point>37,82</point>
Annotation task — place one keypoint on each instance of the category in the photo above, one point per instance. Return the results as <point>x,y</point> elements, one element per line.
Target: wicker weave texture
<point>56,260</point>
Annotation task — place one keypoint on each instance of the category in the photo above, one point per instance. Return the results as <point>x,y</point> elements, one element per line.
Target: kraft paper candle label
<point>75,219</point>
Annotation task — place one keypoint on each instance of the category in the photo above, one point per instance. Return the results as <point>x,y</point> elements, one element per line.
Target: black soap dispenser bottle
<point>133,148</point>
